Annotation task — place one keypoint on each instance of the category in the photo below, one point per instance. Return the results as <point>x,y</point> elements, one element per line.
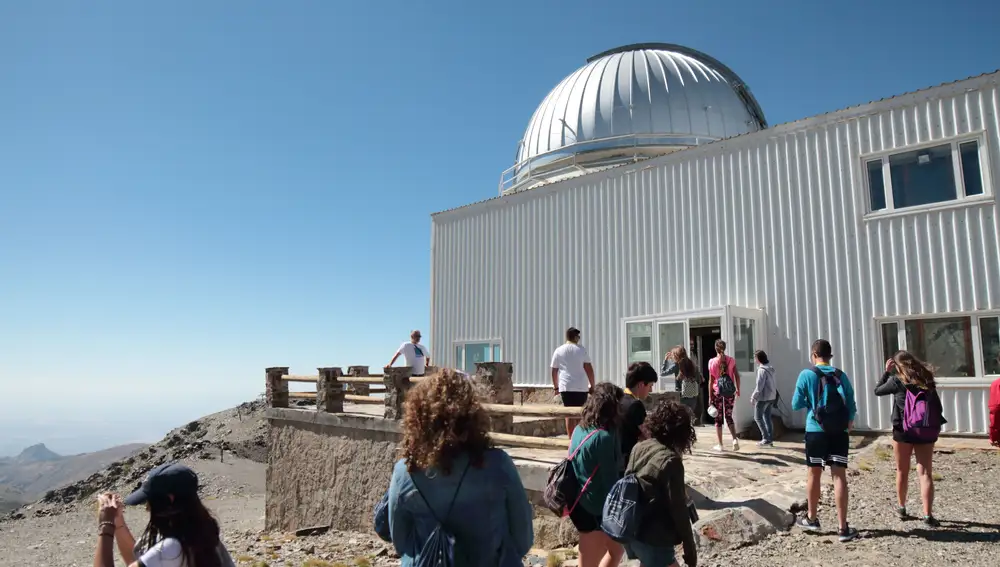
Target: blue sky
<point>192,191</point>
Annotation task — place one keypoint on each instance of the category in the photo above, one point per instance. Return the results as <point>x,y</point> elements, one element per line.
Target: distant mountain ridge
<point>38,469</point>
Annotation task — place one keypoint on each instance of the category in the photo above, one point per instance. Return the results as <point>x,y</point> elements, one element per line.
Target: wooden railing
<point>334,390</point>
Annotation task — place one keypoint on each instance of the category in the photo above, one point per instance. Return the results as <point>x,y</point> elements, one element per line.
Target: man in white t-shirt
<point>572,374</point>
<point>416,355</point>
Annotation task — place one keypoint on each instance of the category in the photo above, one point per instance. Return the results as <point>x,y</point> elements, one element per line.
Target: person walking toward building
<point>572,374</point>
<point>911,384</point>
<point>689,378</point>
<point>597,446</point>
<point>639,382</point>
<point>827,394</point>
<point>764,395</point>
<point>723,389</point>
<point>415,354</point>
<point>181,532</point>
<point>659,469</point>
<point>450,476</point>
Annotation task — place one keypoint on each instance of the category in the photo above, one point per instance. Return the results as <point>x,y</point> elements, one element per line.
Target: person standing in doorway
<point>910,382</point>
<point>827,394</point>
<point>416,355</point>
<point>763,398</point>
<point>723,389</point>
<point>689,378</point>
<point>639,382</point>
<point>572,374</point>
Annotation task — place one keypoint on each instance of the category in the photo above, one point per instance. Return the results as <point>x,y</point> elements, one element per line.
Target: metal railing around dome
<point>574,159</point>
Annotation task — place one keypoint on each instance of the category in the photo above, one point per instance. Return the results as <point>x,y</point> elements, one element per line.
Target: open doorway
<point>704,332</point>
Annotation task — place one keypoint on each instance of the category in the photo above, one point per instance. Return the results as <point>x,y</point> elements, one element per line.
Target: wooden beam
<point>294,378</point>
<point>302,395</point>
<point>363,399</point>
<point>361,380</point>
<point>536,410</point>
<point>532,442</point>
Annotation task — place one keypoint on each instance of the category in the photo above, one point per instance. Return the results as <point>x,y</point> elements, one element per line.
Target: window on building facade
<point>989,334</point>
<point>890,340</point>
<point>640,342</point>
<point>468,354</point>
<point>945,344</point>
<point>936,174</point>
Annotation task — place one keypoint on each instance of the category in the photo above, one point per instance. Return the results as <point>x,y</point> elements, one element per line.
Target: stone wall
<point>327,470</point>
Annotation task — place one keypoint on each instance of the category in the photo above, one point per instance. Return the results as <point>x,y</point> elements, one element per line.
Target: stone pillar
<point>430,370</point>
<point>359,389</point>
<point>277,389</point>
<point>497,381</point>
<point>397,383</point>
<point>330,391</point>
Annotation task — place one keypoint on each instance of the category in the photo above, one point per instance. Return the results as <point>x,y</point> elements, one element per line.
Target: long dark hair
<point>913,371</point>
<point>189,522</point>
<point>686,368</point>
<point>602,409</point>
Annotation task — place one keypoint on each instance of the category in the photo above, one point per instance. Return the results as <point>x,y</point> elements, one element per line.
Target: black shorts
<point>573,399</point>
<point>584,521</point>
<point>827,449</point>
<point>900,436</point>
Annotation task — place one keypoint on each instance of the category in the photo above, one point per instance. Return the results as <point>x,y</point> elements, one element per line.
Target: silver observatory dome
<point>627,104</point>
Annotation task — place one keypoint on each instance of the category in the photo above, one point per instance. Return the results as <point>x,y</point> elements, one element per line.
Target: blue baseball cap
<point>167,479</point>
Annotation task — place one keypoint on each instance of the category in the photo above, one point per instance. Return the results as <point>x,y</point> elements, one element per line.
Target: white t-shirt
<point>415,355</point>
<point>169,553</point>
<point>569,360</point>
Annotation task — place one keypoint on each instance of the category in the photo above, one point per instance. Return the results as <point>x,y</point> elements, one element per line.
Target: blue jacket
<point>491,519</point>
<point>807,387</point>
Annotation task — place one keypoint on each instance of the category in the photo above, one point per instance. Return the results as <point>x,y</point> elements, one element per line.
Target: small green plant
<point>883,453</point>
<point>554,559</point>
<point>262,564</point>
<point>362,562</point>
<point>864,466</point>
<point>313,562</point>
<point>937,477</point>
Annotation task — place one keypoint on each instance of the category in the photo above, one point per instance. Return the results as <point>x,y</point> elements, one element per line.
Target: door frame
<point>655,320</point>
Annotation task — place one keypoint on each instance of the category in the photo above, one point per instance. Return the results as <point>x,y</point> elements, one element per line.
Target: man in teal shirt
<point>828,423</point>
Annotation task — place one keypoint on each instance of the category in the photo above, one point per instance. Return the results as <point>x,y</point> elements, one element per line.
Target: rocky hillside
<point>37,469</point>
<point>239,431</point>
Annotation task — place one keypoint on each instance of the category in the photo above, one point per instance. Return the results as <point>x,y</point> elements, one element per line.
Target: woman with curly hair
<point>658,467</point>
<point>450,475</point>
<point>904,373</point>
<point>596,449</point>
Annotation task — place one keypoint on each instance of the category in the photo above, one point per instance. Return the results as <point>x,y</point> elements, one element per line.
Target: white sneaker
<point>736,445</point>
<point>717,448</point>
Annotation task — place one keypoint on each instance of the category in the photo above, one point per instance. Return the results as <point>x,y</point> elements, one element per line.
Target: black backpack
<point>725,384</point>
<point>831,410</point>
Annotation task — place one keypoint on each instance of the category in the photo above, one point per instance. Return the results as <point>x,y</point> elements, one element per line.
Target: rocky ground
<point>967,504</point>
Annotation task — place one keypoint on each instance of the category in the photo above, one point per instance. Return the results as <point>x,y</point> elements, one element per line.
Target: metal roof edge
<point>832,117</point>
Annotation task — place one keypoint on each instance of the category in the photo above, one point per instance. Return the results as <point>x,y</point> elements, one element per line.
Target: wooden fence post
<point>330,390</point>
<point>397,383</point>
<point>277,389</point>
<point>358,372</point>
<point>497,379</point>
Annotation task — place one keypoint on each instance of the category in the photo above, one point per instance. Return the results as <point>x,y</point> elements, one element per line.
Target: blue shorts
<point>650,555</point>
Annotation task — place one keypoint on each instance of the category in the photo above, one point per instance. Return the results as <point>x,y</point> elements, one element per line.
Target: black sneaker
<point>901,512</point>
<point>808,525</point>
<point>931,522</point>
<point>847,534</point>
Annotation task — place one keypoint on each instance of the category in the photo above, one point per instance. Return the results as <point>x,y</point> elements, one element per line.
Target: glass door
<point>744,335</point>
<point>668,335</point>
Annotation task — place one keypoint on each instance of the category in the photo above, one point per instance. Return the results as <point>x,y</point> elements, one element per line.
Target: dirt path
<point>967,504</point>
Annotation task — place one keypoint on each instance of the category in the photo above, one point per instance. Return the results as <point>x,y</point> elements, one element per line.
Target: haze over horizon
<point>195,191</point>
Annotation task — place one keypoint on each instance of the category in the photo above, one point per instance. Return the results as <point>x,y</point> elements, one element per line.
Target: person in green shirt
<point>597,467</point>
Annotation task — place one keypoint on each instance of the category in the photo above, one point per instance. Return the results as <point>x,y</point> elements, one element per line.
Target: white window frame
<point>960,200</point>
<point>460,365</point>
<point>980,379</point>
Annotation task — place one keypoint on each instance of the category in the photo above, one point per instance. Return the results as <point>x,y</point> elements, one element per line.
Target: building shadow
<point>940,535</point>
<point>768,459</point>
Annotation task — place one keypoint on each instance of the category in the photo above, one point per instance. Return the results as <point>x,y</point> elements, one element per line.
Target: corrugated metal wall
<point>771,220</point>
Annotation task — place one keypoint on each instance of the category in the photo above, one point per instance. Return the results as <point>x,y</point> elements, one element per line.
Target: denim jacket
<point>491,519</point>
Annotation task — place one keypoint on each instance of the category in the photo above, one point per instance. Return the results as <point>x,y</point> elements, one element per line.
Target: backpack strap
<point>575,451</point>
<point>453,497</point>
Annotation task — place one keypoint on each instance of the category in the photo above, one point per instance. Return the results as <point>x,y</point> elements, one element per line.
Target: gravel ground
<point>966,503</point>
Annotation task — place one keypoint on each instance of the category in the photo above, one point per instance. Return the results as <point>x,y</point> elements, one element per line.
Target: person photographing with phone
<point>917,417</point>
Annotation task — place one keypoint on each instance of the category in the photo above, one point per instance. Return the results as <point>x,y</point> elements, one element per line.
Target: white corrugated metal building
<point>874,227</point>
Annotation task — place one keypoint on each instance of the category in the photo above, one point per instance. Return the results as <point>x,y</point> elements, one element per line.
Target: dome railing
<point>578,158</point>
